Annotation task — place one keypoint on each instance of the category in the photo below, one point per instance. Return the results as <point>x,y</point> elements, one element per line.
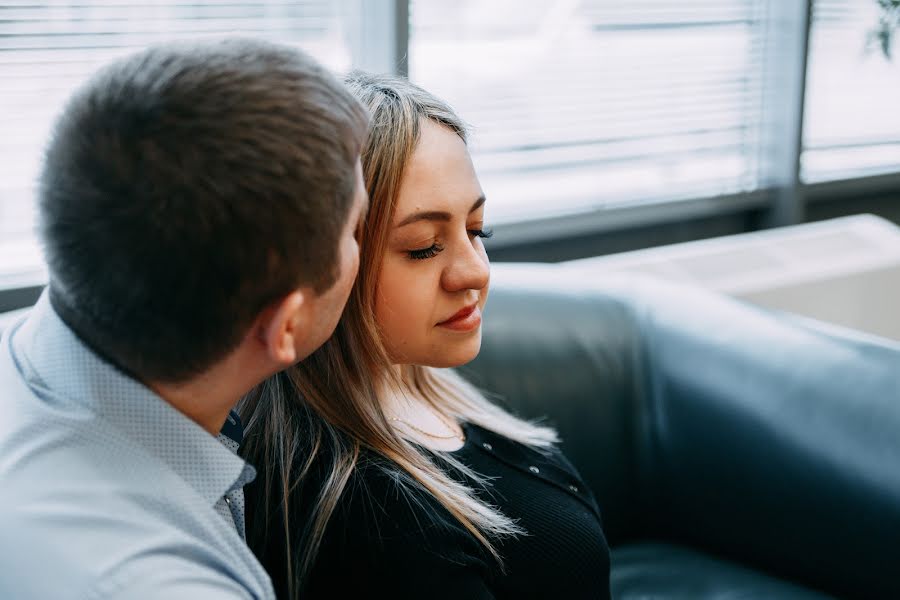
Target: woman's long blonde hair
<point>328,407</point>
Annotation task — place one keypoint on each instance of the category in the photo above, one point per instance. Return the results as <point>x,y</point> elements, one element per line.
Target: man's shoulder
<point>48,442</point>
<point>83,509</point>
<point>66,541</point>
<point>90,506</point>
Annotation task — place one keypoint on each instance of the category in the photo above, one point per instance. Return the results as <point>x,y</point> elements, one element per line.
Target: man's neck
<point>205,399</point>
<point>208,397</point>
<point>200,400</point>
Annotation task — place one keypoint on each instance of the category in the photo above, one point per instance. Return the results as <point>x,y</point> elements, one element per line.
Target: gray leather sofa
<point>735,453</point>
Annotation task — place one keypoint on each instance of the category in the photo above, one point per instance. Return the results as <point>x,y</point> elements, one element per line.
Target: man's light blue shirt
<point>107,491</point>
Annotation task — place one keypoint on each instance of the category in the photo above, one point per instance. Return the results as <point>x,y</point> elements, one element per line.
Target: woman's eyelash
<point>435,248</point>
<point>424,253</point>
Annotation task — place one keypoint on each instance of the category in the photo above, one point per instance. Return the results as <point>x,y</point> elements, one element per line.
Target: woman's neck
<point>417,419</point>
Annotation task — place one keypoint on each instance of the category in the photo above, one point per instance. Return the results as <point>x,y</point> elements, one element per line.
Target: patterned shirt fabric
<point>231,505</point>
<point>107,491</point>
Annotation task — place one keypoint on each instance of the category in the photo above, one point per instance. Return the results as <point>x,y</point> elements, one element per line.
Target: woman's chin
<point>453,355</point>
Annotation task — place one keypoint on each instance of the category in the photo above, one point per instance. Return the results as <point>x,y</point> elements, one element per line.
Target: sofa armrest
<point>773,440</point>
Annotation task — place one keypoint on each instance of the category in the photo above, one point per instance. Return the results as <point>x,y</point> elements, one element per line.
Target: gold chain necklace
<point>454,435</point>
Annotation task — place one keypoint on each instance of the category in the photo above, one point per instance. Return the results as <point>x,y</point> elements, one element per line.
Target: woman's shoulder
<point>383,524</point>
<point>384,503</point>
<point>378,496</point>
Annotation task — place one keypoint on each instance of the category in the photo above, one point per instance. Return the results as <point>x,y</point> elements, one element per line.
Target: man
<point>198,205</point>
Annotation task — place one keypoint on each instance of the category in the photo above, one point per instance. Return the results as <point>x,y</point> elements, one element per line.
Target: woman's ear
<point>281,328</point>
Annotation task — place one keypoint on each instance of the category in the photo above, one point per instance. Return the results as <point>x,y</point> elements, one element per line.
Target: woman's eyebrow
<point>437,215</point>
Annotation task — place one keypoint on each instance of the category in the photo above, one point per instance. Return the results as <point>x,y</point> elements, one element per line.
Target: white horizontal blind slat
<point>579,105</point>
<point>48,48</point>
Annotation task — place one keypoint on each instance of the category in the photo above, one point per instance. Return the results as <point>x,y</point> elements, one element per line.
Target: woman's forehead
<point>439,175</point>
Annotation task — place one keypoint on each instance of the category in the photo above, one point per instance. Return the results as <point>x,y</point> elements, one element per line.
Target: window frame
<point>383,32</point>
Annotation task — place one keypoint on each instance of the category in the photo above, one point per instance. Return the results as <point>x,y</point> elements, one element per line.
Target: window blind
<point>852,109</point>
<point>583,105</point>
<point>48,48</point>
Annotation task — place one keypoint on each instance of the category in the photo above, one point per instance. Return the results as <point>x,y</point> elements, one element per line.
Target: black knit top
<point>381,543</point>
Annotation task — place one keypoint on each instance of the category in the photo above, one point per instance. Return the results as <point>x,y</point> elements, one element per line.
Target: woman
<point>384,473</point>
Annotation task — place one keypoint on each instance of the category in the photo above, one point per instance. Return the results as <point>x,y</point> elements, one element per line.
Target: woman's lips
<point>467,319</point>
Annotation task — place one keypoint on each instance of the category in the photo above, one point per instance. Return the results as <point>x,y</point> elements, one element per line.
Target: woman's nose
<point>470,268</point>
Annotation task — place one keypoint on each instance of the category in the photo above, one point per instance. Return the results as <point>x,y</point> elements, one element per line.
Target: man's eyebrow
<point>437,215</point>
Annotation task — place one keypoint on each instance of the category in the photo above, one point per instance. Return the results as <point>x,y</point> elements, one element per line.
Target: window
<point>585,105</point>
<point>48,48</point>
<point>852,114</point>
<point>580,109</point>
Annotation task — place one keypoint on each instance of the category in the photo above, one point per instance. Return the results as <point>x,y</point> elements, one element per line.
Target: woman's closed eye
<point>435,248</point>
<point>484,232</point>
<point>424,253</point>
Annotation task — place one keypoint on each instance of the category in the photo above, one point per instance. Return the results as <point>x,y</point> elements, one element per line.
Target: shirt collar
<point>233,429</point>
<point>62,369</point>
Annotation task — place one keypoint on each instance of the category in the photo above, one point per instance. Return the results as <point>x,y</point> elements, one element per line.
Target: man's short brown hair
<point>188,186</point>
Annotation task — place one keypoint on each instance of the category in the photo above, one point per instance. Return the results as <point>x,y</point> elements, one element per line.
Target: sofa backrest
<point>574,360</point>
<point>759,436</point>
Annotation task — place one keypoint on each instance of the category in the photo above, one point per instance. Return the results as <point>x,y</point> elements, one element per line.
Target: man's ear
<point>281,326</point>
